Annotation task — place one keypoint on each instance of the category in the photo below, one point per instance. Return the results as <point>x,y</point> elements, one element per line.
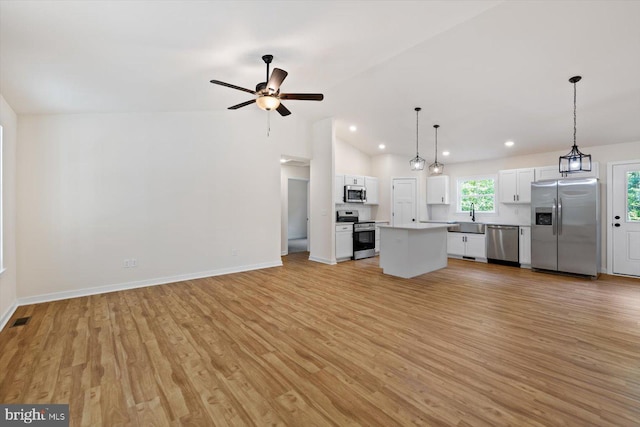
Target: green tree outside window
<point>480,192</point>
<point>633,196</point>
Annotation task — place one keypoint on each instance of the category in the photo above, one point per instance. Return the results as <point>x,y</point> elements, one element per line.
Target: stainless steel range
<point>364,239</point>
<point>364,234</point>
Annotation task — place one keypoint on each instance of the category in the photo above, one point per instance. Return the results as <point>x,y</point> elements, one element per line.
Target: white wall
<point>287,172</point>
<point>186,194</point>
<point>297,227</point>
<point>322,215</point>
<point>350,160</point>
<point>8,279</point>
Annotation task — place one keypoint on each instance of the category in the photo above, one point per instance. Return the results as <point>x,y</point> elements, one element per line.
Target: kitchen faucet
<point>472,212</point>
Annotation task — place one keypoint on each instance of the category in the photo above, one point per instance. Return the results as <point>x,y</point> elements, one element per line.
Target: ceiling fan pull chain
<point>268,123</point>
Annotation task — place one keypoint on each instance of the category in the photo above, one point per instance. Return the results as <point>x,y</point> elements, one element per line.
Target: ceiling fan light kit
<point>574,160</point>
<point>436,168</point>
<point>268,96</point>
<point>268,102</point>
<point>417,163</point>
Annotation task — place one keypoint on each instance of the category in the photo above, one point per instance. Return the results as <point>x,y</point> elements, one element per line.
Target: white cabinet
<point>438,190</point>
<point>378,234</point>
<point>525,245</point>
<point>354,180</point>
<point>475,246</point>
<point>339,189</point>
<point>344,241</point>
<point>371,185</point>
<point>515,185</point>
<point>552,172</point>
<point>466,245</point>
<point>455,244</point>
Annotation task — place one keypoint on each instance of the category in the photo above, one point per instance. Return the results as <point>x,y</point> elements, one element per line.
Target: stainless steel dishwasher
<point>503,244</point>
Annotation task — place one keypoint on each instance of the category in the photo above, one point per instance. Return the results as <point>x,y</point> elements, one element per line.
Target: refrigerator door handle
<point>554,222</point>
<point>560,216</point>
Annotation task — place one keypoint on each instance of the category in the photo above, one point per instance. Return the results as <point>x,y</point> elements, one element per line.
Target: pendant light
<point>436,168</point>
<point>417,163</point>
<point>574,161</point>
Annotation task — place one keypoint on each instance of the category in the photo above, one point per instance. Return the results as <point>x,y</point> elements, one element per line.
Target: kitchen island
<point>414,249</point>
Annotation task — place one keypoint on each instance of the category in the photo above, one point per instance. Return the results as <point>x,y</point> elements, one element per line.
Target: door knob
<point>617,217</point>
<point>616,224</point>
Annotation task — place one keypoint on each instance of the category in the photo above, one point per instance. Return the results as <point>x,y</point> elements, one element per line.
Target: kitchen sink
<point>467,227</point>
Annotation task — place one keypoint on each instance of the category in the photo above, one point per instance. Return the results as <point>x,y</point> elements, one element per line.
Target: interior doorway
<point>403,196</point>
<point>298,215</point>
<point>623,253</point>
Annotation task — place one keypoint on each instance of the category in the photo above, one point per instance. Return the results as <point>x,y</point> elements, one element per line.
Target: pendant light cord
<point>436,145</point>
<point>417,111</point>
<point>574,114</point>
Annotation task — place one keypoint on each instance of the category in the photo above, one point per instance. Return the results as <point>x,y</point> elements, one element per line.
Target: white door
<point>404,201</point>
<point>626,219</point>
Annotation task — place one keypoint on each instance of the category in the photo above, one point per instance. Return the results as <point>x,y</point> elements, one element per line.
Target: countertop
<point>416,226</point>
<point>479,222</point>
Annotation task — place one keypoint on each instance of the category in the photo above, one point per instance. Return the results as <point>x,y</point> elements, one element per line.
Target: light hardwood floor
<point>311,344</point>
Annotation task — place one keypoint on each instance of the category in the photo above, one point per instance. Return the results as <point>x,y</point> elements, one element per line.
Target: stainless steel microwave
<point>355,194</point>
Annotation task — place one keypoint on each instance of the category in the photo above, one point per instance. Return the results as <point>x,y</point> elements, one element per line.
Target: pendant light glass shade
<point>436,168</point>
<point>417,163</point>
<point>575,160</point>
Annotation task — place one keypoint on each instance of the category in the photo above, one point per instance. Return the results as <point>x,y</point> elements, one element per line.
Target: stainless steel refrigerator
<point>565,226</point>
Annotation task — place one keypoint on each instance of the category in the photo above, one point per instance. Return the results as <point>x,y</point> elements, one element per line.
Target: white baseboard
<point>7,314</point>
<point>284,253</point>
<point>55,296</point>
<point>322,260</point>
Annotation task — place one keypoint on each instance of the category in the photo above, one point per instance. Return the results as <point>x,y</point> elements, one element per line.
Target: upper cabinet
<point>371,185</point>
<point>515,185</point>
<point>551,172</point>
<point>438,190</point>
<point>339,189</point>
<point>354,180</point>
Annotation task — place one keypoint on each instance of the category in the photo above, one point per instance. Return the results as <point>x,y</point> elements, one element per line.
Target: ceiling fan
<point>268,94</point>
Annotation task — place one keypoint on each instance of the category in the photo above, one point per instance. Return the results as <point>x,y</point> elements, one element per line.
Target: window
<point>477,190</point>
<point>633,196</point>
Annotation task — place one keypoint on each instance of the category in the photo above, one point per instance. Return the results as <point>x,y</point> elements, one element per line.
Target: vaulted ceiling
<point>486,71</point>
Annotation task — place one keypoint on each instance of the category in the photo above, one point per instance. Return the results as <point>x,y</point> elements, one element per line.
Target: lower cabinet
<point>466,245</point>
<point>525,246</point>
<point>344,242</point>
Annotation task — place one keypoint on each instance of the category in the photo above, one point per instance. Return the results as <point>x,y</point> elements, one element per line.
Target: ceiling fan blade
<point>276,79</point>
<point>218,82</point>
<point>302,96</point>
<point>284,111</point>
<point>244,104</point>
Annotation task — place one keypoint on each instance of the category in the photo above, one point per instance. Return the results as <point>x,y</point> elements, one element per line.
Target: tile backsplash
<point>364,211</point>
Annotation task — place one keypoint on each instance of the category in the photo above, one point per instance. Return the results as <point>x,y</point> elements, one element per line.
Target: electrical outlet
<point>133,262</point>
<point>126,263</point>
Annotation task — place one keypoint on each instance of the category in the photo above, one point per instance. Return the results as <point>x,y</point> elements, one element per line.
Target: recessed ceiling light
<point>509,143</point>
<point>445,153</point>
<point>353,128</point>
<point>382,146</point>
